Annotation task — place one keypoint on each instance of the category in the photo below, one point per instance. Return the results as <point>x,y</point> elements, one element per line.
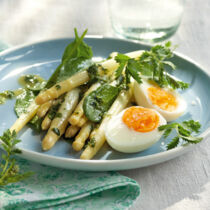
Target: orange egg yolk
<point>162,98</point>
<point>141,119</point>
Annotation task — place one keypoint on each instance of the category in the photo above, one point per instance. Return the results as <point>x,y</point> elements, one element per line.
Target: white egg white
<point>142,99</point>
<point>124,139</point>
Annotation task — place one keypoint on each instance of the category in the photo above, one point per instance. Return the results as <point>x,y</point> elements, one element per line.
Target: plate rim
<point>167,154</point>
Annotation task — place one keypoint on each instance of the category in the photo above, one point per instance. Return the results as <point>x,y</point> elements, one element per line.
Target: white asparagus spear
<point>82,136</point>
<point>25,117</point>
<point>59,124</point>
<point>62,87</point>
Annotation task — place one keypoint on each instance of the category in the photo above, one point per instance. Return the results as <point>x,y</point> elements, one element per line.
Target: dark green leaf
<point>119,71</point>
<point>173,143</point>
<point>76,58</point>
<point>35,123</point>
<point>134,69</point>
<point>73,66</point>
<point>121,58</point>
<point>162,52</point>
<point>56,131</point>
<point>99,101</point>
<point>184,130</point>
<point>167,126</point>
<point>192,125</point>
<point>175,84</point>
<point>78,48</point>
<point>147,69</point>
<point>53,110</point>
<point>167,132</point>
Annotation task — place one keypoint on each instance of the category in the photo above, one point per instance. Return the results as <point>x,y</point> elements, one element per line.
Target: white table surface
<point>182,183</point>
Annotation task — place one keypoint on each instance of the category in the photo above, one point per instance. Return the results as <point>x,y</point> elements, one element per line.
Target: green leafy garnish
<point>32,82</point>
<point>8,94</point>
<point>35,123</point>
<point>58,87</point>
<point>9,170</point>
<point>183,130</point>
<point>151,64</point>
<point>76,58</point>
<point>56,131</point>
<point>99,101</point>
<point>94,75</point>
<point>58,115</point>
<point>53,110</point>
<point>23,101</point>
<point>92,142</point>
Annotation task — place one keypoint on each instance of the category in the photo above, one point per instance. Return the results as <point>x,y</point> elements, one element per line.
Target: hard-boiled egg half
<point>134,129</point>
<point>166,101</point>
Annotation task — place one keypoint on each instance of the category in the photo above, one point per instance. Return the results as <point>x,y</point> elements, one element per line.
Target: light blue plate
<point>43,57</point>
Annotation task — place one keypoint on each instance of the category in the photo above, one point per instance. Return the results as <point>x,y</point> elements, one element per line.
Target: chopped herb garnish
<point>30,79</point>
<point>56,131</point>
<point>184,131</point>
<point>99,101</point>
<point>53,110</point>
<point>8,94</point>
<point>9,170</point>
<point>32,82</point>
<point>94,75</point>
<point>58,87</point>
<point>92,142</point>
<point>58,115</point>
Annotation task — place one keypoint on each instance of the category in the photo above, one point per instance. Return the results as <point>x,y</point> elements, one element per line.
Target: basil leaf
<point>99,101</point>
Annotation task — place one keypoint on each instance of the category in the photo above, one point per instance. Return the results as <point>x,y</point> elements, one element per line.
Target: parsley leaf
<point>133,69</point>
<point>184,131</point>
<point>174,143</point>
<point>9,170</point>
<point>152,65</point>
<point>122,60</point>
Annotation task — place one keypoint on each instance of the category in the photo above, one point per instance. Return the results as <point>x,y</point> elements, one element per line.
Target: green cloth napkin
<point>54,188</point>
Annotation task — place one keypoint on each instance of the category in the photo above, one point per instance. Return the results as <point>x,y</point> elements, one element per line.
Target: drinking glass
<point>146,20</point>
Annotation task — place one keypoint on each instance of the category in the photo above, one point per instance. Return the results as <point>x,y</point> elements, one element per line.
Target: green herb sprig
<point>184,131</point>
<point>151,64</point>
<point>9,170</point>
